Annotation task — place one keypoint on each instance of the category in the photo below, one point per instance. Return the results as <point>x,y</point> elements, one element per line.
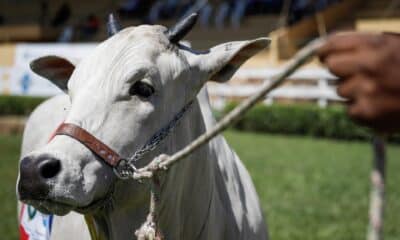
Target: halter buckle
<point>124,169</point>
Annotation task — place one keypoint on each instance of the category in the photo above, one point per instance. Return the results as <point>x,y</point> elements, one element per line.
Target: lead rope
<point>151,227</point>
<point>126,169</point>
<point>163,162</point>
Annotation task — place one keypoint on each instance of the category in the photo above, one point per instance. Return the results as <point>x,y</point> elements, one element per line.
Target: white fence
<point>20,80</point>
<point>322,92</point>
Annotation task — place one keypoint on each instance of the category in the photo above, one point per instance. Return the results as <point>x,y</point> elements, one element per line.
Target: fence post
<point>268,101</point>
<point>322,86</point>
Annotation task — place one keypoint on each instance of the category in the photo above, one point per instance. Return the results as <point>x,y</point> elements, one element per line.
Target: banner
<point>20,80</point>
<point>34,225</point>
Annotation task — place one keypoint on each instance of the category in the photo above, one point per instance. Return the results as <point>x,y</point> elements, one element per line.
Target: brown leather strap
<point>91,142</point>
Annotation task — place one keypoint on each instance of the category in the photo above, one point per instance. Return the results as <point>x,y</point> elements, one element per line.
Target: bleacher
<point>16,29</point>
<point>28,25</point>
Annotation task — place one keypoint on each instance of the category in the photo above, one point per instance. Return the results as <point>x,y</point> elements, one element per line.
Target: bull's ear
<point>222,61</point>
<point>58,70</point>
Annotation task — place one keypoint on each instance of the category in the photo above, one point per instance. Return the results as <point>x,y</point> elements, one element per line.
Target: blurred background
<point>309,162</point>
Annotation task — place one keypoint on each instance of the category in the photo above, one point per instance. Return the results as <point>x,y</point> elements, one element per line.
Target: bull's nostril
<point>49,168</point>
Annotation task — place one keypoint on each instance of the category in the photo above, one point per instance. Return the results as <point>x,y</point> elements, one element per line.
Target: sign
<point>34,225</point>
<point>20,80</point>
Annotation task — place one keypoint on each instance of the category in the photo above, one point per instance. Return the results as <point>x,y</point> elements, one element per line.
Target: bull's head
<point>131,85</point>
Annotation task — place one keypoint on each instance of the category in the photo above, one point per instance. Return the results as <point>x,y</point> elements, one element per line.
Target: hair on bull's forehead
<point>114,60</point>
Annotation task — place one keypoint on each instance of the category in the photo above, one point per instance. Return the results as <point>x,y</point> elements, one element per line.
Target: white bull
<point>130,86</point>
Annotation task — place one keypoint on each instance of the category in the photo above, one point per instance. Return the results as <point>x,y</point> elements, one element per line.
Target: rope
<point>150,228</point>
<point>163,162</point>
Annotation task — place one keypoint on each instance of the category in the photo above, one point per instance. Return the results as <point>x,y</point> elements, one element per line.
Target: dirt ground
<point>12,124</point>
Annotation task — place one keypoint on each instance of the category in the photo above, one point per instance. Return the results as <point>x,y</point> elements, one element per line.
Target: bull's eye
<point>141,89</point>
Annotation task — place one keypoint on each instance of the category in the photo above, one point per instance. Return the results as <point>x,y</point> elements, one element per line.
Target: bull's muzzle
<point>36,174</point>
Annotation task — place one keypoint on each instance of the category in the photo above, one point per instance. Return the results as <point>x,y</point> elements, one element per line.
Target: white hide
<point>209,195</point>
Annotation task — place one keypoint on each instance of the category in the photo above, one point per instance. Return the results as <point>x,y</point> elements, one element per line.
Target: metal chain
<point>126,168</point>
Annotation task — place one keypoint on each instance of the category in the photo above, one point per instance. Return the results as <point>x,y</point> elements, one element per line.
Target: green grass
<point>315,188</point>
<point>9,152</point>
<point>309,188</point>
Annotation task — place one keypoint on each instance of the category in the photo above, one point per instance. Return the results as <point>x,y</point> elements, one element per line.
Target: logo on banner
<point>34,225</point>
<point>25,82</point>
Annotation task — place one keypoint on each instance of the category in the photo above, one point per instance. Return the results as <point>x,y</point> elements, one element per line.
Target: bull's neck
<point>185,192</point>
<point>119,219</point>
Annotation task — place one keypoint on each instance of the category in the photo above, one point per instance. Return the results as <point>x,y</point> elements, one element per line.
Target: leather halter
<point>98,147</point>
<point>123,167</point>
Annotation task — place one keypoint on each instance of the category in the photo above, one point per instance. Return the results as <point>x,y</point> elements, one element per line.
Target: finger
<point>346,64</point>
<point>362,111</point>
<point>368,111</point>
<point>380,112</point>
<point>347,42</point>
<point>343,64</point>
<point>338,43</point>
<point>349,88</point>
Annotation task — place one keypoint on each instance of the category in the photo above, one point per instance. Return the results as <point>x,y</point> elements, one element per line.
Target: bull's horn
<point>113,25</point>
<point>179,31</point>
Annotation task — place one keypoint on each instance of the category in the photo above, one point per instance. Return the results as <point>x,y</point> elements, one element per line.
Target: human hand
<point>368,67</point>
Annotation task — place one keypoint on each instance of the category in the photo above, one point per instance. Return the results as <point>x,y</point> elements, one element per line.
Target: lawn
<point>9,152</point>
<point>309,188</point>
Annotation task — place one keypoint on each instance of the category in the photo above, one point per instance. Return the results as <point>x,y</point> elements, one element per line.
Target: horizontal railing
<point>312,84</point>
